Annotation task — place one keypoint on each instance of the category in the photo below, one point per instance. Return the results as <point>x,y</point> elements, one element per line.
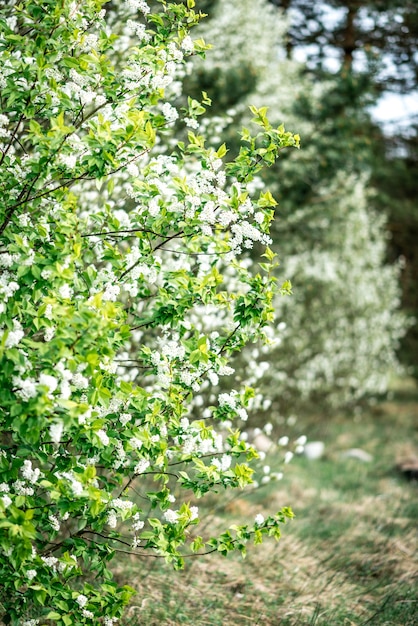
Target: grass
<point>349,558</point>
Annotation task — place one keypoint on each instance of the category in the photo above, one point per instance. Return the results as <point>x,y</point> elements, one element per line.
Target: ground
<point>349,558</point>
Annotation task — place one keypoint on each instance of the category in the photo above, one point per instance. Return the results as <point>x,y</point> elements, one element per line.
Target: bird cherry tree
<point>100,452</point>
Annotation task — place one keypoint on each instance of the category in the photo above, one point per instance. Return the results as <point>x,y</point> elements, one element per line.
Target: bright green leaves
<point>243,474</point>
<point>200,354</point>
<point>255,307</point>
<point>260,117</point>
<point>59,128</point>
<point>238,536</point>
<point>266,200</point>
<point>263,149</point>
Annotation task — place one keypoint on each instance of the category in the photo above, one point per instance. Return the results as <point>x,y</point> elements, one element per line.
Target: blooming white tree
<point>336,337</point>
<point>102,343</point>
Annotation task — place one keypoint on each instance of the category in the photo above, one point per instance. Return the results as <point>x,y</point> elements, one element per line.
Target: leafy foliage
<point>107,297</point>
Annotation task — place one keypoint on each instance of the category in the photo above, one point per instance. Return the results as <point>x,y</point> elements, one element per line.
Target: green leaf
<point>53,615</point>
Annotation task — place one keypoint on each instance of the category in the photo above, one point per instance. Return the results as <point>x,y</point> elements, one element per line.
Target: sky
<point>395,111</point>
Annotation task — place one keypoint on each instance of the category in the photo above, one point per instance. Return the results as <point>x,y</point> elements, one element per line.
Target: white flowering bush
<point>116,306</point>
<point>335,340</point>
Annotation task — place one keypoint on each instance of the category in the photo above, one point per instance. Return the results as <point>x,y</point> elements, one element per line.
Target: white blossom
<point>69,160</point>
<point>21,489</point>
<point>223,464</point>
<point>132,170</point>
<point>112,519</point>
<point>6,501</point>
<point>227,399</point>
<point>79,381</point>
<point>76,485</point>
<point>141,466</point>
<point>194,512</point>
<point>138,30</point>
<point>7,260</point>
<point>171,516</point>
<point>29,474</point>
<point>137,523</point>
<point>90,41</point>
<point>268,428</point>
<point>111,293</point>
<point>123,505</point>
<point>63,565</point>
<point>135,443</point>
<point>138,5</point>
<point>7,286</point>
<point>49,333</point>
<point>102,435</point>
<point>169,112</point>
<point>242,414</point>
<point>15,335</point>
<point>55,431</point>
<point>187,44</point>
<point>81,600</point>
<point>50,561</point>
<point>48,312</point>
<point>213,377</point>
<point>88,614</point>
<point>26,388</point>
<point>124,418</point>
<point>191,123</point>
<point>288,456</point>
<point>53,520</point>
<point>65,291</point>
<point>48,381</point>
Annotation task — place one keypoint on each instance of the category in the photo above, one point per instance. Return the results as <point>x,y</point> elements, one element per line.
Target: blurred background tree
<point>342,327</point>
<point>378,40</point>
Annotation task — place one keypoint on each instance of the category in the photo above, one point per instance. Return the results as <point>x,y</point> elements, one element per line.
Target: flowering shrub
<point>97,440</point>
